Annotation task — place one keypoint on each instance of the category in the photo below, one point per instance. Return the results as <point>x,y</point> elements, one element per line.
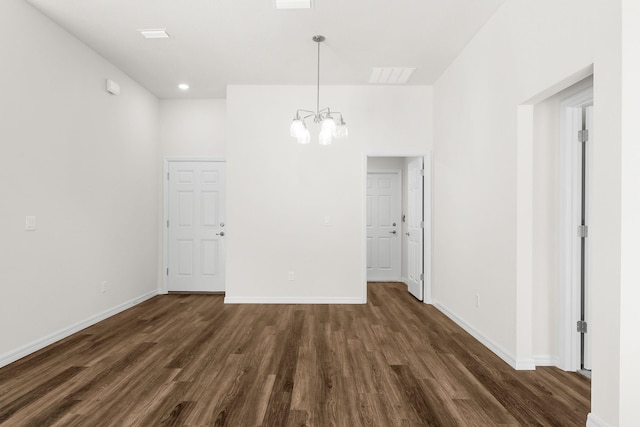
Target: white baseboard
<point>292,300</point>
<point>593,421</point>
<point>545,360</point>
<point>519,364</point>
<point>12,356</point>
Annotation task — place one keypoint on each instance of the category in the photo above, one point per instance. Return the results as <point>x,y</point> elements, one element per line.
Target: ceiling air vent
<point>293,4</point>
<point>155,33</point>
<point>390,75</point>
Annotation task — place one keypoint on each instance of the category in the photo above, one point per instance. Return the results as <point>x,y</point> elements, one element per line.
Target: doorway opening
<point>398,222</point>
<point>560,183</point>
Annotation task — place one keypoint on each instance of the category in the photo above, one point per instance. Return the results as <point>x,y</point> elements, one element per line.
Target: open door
<point>415,232</point>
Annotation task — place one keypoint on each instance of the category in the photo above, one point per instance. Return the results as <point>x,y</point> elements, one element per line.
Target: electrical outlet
<point>103,286</point>
<point>30,223</point>
<point>291,276</point>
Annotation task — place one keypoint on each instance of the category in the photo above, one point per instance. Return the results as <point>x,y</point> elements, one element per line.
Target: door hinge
<point>583,231</point>
<point>167,176</point>
<point>167,223</point>
<point>421,224</point>
<point>582,327</point>
<point>167,271</point>
<point>421,172</point>
<point>421,276</point>
<point>583,135</point>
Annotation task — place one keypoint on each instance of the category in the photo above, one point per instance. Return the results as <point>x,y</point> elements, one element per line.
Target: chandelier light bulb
<point>328,126</point>
<point>297,127</point>
<point>341,130</point>
<point>325,138</point>
<point>304,137</point>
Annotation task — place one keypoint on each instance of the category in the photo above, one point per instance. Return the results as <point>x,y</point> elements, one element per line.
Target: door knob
<point>393,232</point>
<point>220,234</point>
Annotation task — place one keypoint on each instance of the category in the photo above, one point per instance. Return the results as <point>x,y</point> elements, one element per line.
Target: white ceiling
<point>220,42</point>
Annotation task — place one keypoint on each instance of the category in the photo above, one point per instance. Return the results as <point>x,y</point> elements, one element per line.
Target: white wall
<point>630,217</point>
<point>279,192</point>
<point>85,163</point>
<point>193,127</point>
<point>616,235</point>
<point>385,163</point>
<point>528,49</point>
<point>524,49</point>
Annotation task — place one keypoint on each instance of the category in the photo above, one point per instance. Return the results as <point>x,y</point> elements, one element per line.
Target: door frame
<point>427,213</point>
<point>165,209</point>
<point>398,175</point>
<point>570,210</point>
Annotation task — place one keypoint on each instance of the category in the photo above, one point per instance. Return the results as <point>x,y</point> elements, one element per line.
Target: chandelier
<point>332,123</point>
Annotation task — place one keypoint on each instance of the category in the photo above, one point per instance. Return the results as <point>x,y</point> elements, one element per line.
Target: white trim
<point>363,237</point>
<point>12,356</point>
<point>165,209</point>
<point>519,364</point>
<point>524,234</point>
<point>545,360</point>
<point>427,209</point>
<point>294,300</point>
<point>594,421</point>
<point>569,251</point>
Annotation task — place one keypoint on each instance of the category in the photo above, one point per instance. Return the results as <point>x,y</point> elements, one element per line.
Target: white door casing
<point>383,226</point>
<point>195,227</point>
<point>415,224</point>
<point>570,219</point>
<point>587,296</point>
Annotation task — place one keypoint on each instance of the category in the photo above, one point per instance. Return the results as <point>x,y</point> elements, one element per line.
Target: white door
<point>196,243</point>
<point>415,222</point>
<point>383,226</point>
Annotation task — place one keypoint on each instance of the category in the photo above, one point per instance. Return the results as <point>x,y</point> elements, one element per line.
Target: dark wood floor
<point>191,360</point>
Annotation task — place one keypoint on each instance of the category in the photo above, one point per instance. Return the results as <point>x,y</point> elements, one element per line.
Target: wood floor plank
<point>22,402</point>
<point>191,360</point>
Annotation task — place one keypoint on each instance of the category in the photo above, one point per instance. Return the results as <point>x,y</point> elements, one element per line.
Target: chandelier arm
<point>304,111</point>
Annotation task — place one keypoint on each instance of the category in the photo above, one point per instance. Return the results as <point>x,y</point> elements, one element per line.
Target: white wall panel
<point>280,192</point>
<point>87,166</point>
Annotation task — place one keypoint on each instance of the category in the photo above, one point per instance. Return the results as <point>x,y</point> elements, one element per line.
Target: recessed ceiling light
<point>183,86</point>
<point>390,75</point>
<point>293,4</point>
<point>155,33</point>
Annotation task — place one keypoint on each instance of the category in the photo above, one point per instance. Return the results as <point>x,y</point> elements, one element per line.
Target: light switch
<point>30,223</point>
